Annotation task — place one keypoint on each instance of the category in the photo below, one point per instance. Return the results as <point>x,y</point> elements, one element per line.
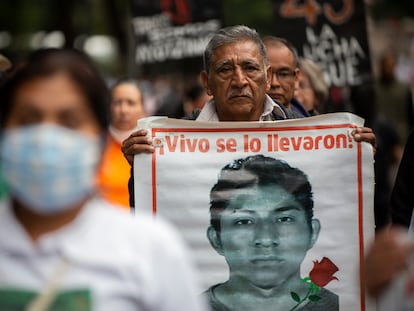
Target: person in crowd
<point>394,97</point>
<point>237,76</point>
<point>283,61</point>
<point>402,200</point>
<point>170,101</point>
<point>389,148</point>
<point>126,108</point>
<point>261,221</point>
<point>389,275</point>
<point>196,98</point>
<point>5,63</point>
<point>312,90</point>
<point>62,247</point>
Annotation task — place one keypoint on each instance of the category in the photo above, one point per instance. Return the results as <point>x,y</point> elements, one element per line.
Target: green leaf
<point>314,288</point>
<point>305,279</point>
<point>295,296</point>
<point>314,298</point>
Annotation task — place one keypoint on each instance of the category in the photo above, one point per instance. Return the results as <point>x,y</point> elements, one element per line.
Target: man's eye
<point>224,70</point>
<point>251,68</point>
<point>283,74</point>
<point>284,219</point>
<point>243,222</point>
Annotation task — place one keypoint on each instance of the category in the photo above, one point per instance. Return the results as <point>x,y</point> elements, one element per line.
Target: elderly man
<point>237,76</point>
<point>283,60</point>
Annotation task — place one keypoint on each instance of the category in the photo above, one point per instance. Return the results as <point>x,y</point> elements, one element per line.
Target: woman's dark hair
<point>258,171</point>
<point>47,62</point>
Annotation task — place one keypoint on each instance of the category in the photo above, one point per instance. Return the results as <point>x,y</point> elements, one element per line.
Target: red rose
<point>323,271</point>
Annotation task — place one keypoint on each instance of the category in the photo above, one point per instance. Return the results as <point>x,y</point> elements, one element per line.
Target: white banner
<point>259,236</point>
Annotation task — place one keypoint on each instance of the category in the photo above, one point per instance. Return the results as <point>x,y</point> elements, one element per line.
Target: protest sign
<point>169,30</point>
<point>185,174</point>
<point>331,33</point>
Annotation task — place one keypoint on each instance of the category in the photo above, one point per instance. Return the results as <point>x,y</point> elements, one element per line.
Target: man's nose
<point>239,78</point>
<point>265,235</point>
<point>274,81</point>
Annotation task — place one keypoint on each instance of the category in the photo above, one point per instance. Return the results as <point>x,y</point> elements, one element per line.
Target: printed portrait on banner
<point>261,222</point>
<point>275,217</point>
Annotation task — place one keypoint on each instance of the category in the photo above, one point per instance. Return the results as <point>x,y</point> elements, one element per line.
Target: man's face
<point>305,93</point>
<point>264,237</point>
<point>237,80</point>
<point>284,74</point>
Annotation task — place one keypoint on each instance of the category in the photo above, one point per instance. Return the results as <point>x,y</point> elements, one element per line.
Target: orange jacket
<point>114,173</point>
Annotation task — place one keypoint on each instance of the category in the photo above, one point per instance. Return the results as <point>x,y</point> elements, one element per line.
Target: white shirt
<point>124,263</point>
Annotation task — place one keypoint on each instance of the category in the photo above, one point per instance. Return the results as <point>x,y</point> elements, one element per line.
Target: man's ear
<point>214,238</point>
<point>316,228</point>
<point>204,82</point>
<point>297,74</point>
<point>269,73</point>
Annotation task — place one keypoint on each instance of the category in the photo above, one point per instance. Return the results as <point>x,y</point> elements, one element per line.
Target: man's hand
<point>136,143</point>
<point>365,134</point>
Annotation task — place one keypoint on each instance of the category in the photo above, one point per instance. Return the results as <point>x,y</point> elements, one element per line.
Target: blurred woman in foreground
<point>61,246</point>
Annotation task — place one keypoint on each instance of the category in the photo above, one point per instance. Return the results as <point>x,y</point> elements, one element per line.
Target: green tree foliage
<point>75,19</point>
<point>257,14</point>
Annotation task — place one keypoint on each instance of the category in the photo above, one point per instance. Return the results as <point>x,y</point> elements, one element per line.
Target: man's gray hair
<point>232,34</point>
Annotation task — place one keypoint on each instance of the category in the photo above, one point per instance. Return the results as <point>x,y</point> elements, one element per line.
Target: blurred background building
<point>120,36</point>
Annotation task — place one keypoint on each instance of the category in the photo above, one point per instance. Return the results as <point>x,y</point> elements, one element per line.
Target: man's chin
<point>267,285</point>
<point>240,101</point>
<point>280,99</point>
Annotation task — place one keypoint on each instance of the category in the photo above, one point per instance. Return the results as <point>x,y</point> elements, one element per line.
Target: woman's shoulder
<point>117,228</point>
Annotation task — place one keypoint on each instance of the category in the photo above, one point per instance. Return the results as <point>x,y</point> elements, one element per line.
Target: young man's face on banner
<point>264,236</point>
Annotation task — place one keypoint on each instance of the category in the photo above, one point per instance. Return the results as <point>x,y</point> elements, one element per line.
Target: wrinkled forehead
<point>238,50</point>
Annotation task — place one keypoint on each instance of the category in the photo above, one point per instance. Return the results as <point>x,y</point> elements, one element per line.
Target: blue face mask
<point>49,168</point>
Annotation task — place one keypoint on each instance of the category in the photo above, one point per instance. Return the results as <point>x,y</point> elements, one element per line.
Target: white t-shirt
<point>115,263</point>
